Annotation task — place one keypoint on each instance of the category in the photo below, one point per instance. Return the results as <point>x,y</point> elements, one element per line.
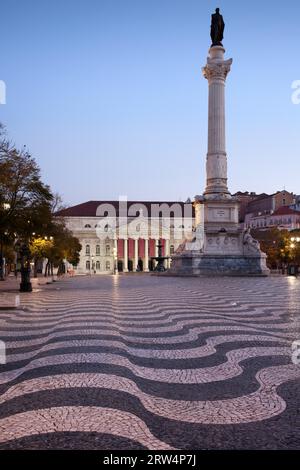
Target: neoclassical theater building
<point>123,236</point>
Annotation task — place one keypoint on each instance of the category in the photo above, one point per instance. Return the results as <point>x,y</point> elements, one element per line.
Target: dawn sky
<point>108,95</point>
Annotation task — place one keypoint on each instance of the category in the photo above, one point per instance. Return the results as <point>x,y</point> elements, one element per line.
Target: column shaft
<point>156,242</point>
<point>215,72</point>
<point>167,253</point>
<point>115,255</point>
<point>136,254</point>
<point>146,258</point>
<point>125,267</point>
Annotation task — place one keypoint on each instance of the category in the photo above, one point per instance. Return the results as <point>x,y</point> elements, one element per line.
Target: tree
<point>278,246</point>
<point>65,247</point>
<point>40,248</point>
<point>27,208</point>
<point>25,198</point>
<point>25,201</point>
<point>295,245</point>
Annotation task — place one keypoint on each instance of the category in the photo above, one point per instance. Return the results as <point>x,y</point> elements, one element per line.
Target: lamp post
<point>6,207</point>
<point>1,259</point>
<point>25,285</point>
<point>293,270</point>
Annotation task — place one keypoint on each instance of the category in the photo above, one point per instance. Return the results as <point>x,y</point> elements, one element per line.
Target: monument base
<point>199,264</point>
<point>219,247</point>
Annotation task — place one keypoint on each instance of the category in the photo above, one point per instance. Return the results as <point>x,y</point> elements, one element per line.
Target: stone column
<point>146,258</point>
<point>167,253</point>
<point>215,72</point>
<point>136,254</point>
<point>115,255</point>
<point>156,242</point>
<point>125,267</point>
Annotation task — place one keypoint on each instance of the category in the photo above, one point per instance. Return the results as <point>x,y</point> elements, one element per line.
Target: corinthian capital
<point>216,70</point>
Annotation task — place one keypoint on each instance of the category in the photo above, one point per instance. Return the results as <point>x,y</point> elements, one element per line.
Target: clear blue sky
<point>108,94</point>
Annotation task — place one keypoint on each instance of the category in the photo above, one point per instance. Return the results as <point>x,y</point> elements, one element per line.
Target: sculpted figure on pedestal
<point>250,243</point>
<point>217,28</point>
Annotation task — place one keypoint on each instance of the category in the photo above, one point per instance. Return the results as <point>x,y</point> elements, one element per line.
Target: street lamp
<point>25,285</point>
<point>293,270</point>
<point>6,207</point>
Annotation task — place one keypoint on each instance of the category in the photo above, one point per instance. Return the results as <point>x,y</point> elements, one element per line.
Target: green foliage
<point>27,206</point>
<point>278,246</point>
<point>25,201</point>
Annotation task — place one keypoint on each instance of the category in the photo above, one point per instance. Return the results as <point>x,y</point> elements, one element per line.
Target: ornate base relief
<point>191,264</point>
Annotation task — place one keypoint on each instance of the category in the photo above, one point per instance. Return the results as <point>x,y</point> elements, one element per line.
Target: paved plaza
<point>147,362</point>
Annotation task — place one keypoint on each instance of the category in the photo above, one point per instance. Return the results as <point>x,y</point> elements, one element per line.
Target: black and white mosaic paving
<point>144,362</point>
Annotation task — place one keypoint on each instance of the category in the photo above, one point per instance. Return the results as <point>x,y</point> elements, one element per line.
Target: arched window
<point>172,249</point>
<point>107,265</point>
<point>87,250</point>
<point>106,228</point>
<point>88,265</point>
<point>98,265</point>
<point>107,250</point>
<point>87,226</point>
<point>98,250</point>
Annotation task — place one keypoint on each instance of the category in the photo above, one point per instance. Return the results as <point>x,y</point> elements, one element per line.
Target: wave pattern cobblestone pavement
<point>144,362</point>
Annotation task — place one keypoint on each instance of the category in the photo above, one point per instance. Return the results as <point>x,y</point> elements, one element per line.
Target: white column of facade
<point>146,258</point>
<point>156,242</point>
<point>125,267</point>
<point>167,253</point>
<point>115,255</point>
<point>136,254</point>
<point>215,72</point>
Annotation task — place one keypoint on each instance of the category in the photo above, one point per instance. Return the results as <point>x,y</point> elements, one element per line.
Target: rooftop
<point>89,208</point>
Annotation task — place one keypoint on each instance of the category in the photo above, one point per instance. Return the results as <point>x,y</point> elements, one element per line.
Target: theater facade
<point>123,236</point>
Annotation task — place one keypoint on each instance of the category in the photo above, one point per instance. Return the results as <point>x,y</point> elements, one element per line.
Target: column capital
<point>216,70</point>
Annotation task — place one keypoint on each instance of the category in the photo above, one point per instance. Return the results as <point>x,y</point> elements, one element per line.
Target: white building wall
<point>84,228</point>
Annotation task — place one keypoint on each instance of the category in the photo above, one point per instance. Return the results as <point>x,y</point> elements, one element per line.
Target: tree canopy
<point>27,207</point>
